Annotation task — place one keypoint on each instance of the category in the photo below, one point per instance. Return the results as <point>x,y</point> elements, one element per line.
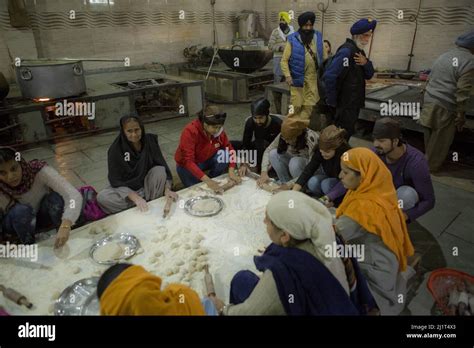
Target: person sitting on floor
<point>409,168</point>
<point>138,172</point>
<point>290,151</point>
<point>125,289</point>
<point>34,196</point>
<point>299,276</point>
<point>260,130</point>
<point>322,172</point>
<point>369,216</point>
<point>204,146</point>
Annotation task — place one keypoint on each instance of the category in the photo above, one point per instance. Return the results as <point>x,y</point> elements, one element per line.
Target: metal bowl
<point>250,58</point>
<point>131,247</point>
<point>188,206</point>
<point>79,298</point>
<point>406,75</point>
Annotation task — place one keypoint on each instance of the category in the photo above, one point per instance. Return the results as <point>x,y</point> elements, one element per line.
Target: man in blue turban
<point>344,78</point>
<point>445,100</point>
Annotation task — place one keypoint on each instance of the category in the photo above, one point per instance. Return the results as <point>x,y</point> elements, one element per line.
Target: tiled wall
<point>150,31</point>
<point>143,30</point>
<point>440,23</point>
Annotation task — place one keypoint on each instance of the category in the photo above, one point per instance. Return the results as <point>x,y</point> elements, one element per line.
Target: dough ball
<point>185,282</point>
<point>200,266</point>
<point>174,245</point>
<point>175,269</point>
<point>109,251</point>
<point>186,230</point>
<point>62,252</point>
<point>198,238</point>
<point>153,259</point>
<point>199,252</point>
<point>169,272</point>
<point>202,258</point>
<point>180,263</point>
<point>158,253</point>
<point>195,246</point>
<point>156,240</point>
<point>76,270</point>
<point>93,230</point>
<point>140,251</point>
<point>187,246</point>
<point>98,273</point>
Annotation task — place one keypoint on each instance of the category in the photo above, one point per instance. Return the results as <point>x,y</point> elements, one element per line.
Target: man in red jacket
<point>203,146</point>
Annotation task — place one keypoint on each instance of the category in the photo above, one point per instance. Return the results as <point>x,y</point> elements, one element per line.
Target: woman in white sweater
<point>34,196</point>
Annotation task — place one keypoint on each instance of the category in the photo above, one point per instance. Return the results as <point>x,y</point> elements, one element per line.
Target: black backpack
<point>321,85</point>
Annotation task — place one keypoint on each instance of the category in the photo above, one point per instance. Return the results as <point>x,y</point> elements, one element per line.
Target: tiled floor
<point>443,237</point>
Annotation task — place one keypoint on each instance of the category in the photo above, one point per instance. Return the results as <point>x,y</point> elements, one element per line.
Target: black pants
<point>345,118</point>
<point>258,144</point>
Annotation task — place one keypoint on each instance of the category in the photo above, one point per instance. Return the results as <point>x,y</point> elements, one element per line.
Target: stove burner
<point>140,83</point>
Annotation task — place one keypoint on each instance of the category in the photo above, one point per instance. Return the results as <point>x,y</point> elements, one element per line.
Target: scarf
<point>309,219</point>
<point>138,292</point>
<point>374,204</point>
<point>132,173</point>
<point>332,138</point>
<point>305,286</point>
<point>29,171</point>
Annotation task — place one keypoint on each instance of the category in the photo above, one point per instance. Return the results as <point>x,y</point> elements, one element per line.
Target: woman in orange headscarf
<point>126,289</point>
<point>369,215</point>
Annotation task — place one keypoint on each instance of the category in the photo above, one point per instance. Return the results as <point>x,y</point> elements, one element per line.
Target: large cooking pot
<point>250,58</point>
<point>52,79</point>
<point>4,87</point>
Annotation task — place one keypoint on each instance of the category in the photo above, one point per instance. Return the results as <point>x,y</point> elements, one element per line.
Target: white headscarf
<point>303,218</point>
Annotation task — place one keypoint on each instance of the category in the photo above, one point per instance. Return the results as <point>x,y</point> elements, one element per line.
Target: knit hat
<point>292,127</point>
<point>386,128</point>
<point>466,40</point>
<point>331,138</point>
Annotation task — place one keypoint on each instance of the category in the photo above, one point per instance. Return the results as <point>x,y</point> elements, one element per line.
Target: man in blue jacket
<point>345,77</point>
<point>302,57</point>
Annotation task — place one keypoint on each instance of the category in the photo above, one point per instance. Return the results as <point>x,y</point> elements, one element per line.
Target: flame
<point>42,99</point>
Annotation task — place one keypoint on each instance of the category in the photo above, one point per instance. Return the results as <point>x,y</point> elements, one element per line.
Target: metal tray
<point>80,298</point>
<point>131,246</point>
<point>188,206</point>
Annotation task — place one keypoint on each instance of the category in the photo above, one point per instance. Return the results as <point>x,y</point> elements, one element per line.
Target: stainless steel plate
<point>190,203</point>
<point>80,298</point>
<point>129,243</point>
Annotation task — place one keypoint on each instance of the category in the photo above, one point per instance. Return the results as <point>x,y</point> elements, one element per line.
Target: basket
<point>440,283</point>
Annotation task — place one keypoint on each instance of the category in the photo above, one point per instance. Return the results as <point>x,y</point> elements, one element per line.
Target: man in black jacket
<point>260,130</point>
<point>344,78</point>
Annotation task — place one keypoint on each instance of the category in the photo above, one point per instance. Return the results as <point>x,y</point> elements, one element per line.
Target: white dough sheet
<point>175,248</point>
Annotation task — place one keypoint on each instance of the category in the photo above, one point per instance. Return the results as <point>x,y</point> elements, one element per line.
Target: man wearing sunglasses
<point>200,149</point>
